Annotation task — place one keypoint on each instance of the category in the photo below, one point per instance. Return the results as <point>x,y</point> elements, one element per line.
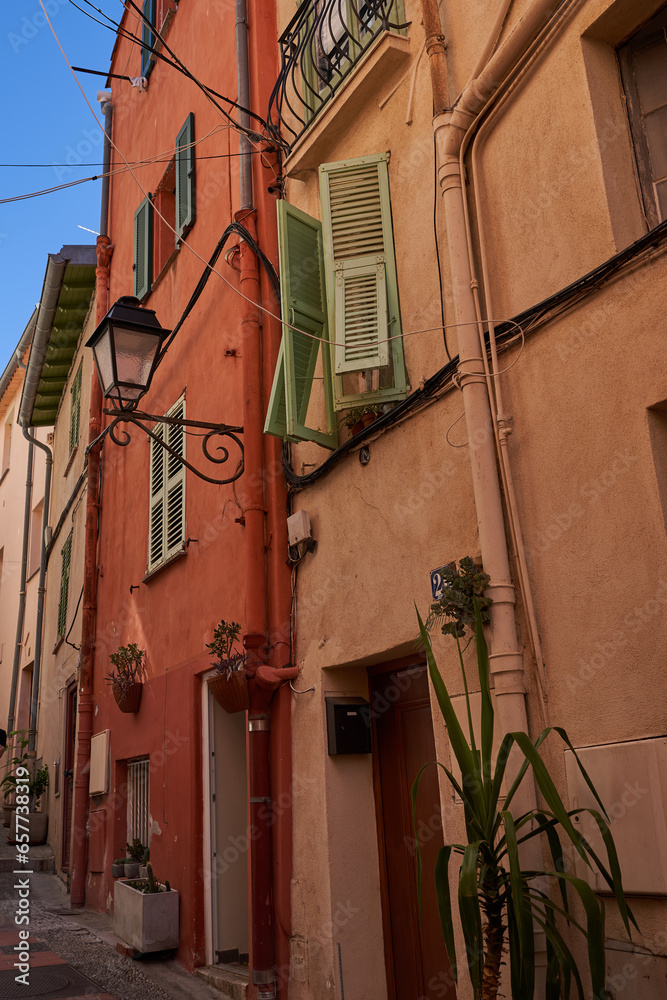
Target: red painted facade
<point>172,614</point>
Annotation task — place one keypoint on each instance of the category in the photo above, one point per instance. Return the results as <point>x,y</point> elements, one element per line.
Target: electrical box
<point>99,763</point>
<point>348,726</point>
<point>298,527</point>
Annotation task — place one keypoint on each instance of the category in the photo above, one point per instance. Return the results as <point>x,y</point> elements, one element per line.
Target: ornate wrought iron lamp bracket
<point>121,436</point>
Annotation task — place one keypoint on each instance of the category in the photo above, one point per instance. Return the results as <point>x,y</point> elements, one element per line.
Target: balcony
<point>319,50</point>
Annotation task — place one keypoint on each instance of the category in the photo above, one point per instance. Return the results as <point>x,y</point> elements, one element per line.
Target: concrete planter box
<point>145,921</point>
<point>38,825</point>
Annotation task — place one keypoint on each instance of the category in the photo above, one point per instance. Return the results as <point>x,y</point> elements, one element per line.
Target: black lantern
<point>126,346</point>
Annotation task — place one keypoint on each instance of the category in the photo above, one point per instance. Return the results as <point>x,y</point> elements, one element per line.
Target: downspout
<point>41,591</point>
<point>450,129</point>
<point>265,678</point>
<point>88,615</point>
<point>18,645</point>
<point>16,362</point>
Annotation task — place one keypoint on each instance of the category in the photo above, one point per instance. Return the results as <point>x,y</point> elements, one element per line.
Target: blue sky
<point>45,120</point>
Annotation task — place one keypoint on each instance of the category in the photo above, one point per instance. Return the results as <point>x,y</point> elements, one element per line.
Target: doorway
<point>415,956</point>
<point>229,839</point>
<point>68,772</point>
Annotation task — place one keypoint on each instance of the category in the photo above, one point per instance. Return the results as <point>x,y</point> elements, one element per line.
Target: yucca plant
<point>496,895</point>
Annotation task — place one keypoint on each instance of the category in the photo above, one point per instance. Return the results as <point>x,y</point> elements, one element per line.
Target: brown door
<point>416,959</point>
<point>68,772</point>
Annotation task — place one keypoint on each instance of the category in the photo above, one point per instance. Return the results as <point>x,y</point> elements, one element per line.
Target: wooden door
<point>68,772</point>
<point>416,959</point>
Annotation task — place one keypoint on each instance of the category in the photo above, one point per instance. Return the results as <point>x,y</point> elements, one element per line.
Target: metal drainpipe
<point>41,591</point>
<point>107,108</point>
<point>88,614</point>
<point>24,573</point>
<point>450,129</point>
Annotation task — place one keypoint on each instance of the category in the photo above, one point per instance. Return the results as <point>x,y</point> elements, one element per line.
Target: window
<point>75,410</point>
<point>66,554</point>
<point>138,801</point>
<point>7,442</point>
<point>149,10</point>
<point>167,491</point>
<point>643,61</point>
<point>164,218</point>
<point>338,283</point>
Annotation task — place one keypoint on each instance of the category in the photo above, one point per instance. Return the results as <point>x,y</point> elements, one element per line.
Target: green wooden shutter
<point>75,409</point>
<point>166,529</point>
<point>143,248</point>
<point>362,287</point>
<point>303,305</point>
<point>66,554</point>
<point>149,9</point>
<point>185,178</point>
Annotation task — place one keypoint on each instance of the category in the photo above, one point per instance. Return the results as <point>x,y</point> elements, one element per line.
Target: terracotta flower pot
<point>368,418</point>
<point>230,689</point>
<point>127,698</point>
<point>356,428</point>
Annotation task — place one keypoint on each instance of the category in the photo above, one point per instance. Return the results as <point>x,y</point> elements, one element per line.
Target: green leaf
<point>445,904</point>
<point>614,880</point>
<point>485,688</point>
<point>594,929</point>
<point>556,851</point>
<point>464,756</point>
<point>516,883</point>
<point>471,918</point>
<point>564,956</point>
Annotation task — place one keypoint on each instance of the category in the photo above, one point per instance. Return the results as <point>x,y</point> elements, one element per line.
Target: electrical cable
<point>76,611</point>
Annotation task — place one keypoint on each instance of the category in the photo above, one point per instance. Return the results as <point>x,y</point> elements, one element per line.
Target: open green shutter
<point>362,287</point>
<point>64,584</point>
<point>75,410</point>
<point>185,177</point>
<point>143,248</point>
<point>149,10</point>
<point>303,306</point>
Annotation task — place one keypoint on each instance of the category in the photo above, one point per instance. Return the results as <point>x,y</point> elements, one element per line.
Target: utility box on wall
<point>348,726</point>
<point>631,780</point>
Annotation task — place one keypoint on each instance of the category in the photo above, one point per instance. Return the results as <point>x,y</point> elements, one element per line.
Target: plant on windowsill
<point>126,678</point>
<point>135,856</point>
<point>146,914</point>
<point>353,419</point>
<point>229,685</point>
<point>370,414</point>
<point>497,893</point>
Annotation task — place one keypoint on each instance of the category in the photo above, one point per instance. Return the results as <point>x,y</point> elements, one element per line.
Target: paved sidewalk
<point>72,953</point>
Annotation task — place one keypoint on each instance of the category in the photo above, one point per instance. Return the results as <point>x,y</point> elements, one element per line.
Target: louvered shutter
<point>185,177</point>
<point>357,227</point>
<point>75,410</point>
<point>143,248</point>
<point>303,305</point>
<point>149,10</point>
<point>167,491</point>
<point>64,584</point>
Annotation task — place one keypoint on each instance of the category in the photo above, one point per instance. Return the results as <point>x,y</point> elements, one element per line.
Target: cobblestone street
<point>72,953</point>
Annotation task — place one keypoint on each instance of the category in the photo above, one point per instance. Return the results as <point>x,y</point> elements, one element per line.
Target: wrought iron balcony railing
<point>321,45</point>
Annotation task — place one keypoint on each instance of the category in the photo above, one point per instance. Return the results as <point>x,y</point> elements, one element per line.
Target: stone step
<point>34,864</point>
<point>230,983</point>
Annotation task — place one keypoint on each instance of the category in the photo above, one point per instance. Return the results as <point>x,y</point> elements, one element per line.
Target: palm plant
<point>496,895</point>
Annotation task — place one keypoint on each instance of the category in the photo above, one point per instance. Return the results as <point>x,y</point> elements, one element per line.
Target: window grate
<point>138,781</point>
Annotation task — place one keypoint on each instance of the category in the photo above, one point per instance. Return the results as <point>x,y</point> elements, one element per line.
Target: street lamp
<point>126,347</point>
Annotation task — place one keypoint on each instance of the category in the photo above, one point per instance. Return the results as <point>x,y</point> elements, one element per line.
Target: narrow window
<point>138,800</point>
<point>185,178</point>
<point>149,10</point>
<point>143,249</point>
<point>643,61</point>
<point>66,554</point>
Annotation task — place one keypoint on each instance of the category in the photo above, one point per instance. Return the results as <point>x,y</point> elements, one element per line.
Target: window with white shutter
<point>166,529</point>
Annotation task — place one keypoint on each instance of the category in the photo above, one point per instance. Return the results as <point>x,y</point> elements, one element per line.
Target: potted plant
<point>19,773</point>
<point>229,685</point>
<point>370,413</point>
<point>126,678</point>
<point>19,738</point>
<point>135,853</point>
<point>146,914</point>
<point>118,867</point>
<point>353,419</point>
<point>501,902</point>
